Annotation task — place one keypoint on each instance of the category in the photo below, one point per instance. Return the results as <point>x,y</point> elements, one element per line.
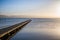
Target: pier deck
<point>7,33</point>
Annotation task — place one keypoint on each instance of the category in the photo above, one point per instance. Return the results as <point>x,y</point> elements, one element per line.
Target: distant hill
<point>14,16</point>
<point>3,16</point>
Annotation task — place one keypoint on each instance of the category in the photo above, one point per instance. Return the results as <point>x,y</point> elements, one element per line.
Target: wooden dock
<point>7,33</point>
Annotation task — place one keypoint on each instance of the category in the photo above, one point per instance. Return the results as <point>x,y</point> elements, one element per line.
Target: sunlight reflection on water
<point>40,30</point>
<point>37,29</point>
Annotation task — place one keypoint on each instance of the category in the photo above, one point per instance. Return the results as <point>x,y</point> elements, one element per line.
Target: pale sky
<point>33,8</point>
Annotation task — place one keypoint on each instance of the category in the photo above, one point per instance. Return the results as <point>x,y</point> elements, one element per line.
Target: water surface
<point>37,29</point>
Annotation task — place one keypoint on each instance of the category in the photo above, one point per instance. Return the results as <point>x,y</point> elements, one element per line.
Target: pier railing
<point>7,33</point>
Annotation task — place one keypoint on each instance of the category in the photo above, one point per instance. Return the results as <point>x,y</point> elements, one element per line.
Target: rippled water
<point>37,29</point>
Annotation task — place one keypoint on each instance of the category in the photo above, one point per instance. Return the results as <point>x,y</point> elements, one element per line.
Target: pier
<point>9,32</point>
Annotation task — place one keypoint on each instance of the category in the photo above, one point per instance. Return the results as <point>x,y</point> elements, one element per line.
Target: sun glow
<point>58,10</point>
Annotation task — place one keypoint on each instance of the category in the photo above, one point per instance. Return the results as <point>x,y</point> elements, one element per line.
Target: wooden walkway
<point>7,33</point>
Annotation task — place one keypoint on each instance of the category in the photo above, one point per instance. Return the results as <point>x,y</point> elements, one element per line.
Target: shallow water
<point>37,29</point>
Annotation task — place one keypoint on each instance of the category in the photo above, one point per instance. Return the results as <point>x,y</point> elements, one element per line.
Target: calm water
<point>37,29</point>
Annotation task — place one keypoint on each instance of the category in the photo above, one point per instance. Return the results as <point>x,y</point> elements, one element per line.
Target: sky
<point>32,8</point>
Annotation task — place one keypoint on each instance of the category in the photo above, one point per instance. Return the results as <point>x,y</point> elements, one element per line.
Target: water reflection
<point>40,29</point>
